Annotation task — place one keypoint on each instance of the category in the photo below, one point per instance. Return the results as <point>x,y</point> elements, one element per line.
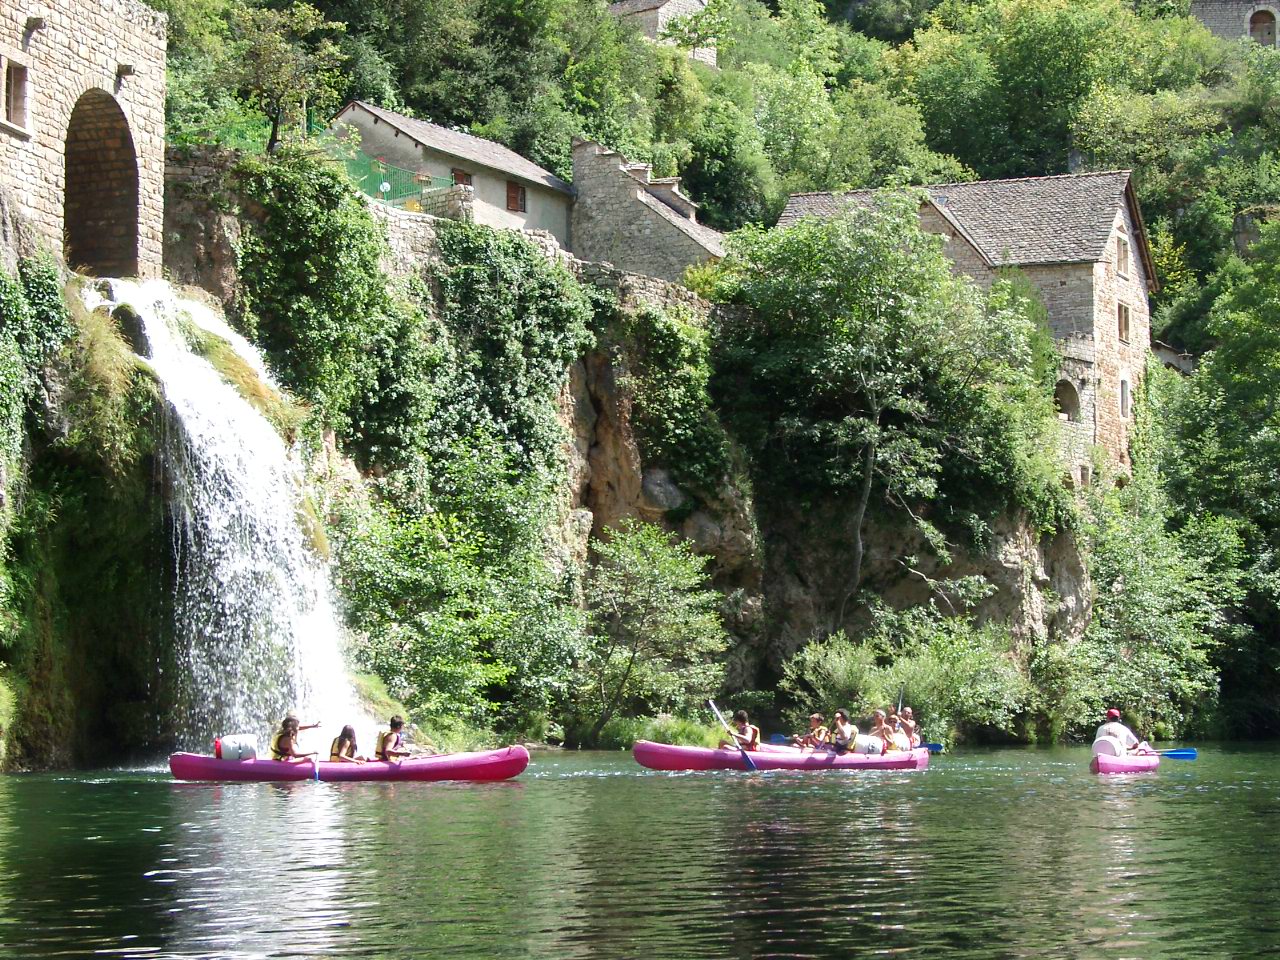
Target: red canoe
<point>663,756</point>
<point>500,764</point>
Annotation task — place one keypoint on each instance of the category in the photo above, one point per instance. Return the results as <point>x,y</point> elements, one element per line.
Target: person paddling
<point>909,726</point>
<point>391,742</point>
<point>745,733</point>
<point>284,745</point>
<point>1114,728</point>
<point>343,749</point>
<point>817,734</point>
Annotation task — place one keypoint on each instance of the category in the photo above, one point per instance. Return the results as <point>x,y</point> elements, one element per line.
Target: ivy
<point>673,414</point>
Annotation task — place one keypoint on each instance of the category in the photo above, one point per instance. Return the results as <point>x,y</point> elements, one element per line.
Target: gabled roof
<point>463,146</point>
<point>624,8</point>
<point>710,240</point>
<point>1033,220</point>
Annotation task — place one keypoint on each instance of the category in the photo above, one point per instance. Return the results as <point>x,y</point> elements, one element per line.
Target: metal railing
<point>388,183</point>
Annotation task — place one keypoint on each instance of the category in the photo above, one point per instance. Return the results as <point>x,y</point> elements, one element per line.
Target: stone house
<point>640,223</point>
<point>82,133</point>
<point>492,185</point>
<point>1232,19</point>
<point>652,17</point>
<point>1080,240</point>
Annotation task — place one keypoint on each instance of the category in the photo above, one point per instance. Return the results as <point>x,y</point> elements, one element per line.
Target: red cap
<point>1113,714</point>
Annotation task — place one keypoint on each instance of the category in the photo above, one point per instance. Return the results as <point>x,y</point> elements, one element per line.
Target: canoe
<point>500,764</point>
<point>663,756</point>
<point>1129,763</point>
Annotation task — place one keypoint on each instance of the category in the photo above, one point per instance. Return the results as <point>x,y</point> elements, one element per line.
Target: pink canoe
<point>500,764</point>
<point>1129,763</point>
<point>662,756</point>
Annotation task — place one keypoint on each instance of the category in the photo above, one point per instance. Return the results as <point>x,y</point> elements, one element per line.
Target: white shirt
<point>1114,728</point>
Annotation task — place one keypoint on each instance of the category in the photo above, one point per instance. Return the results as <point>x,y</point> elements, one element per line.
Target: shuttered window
<point>516,197</point>
<point>461,177</point>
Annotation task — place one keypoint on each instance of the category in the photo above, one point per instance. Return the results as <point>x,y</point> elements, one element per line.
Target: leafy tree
<point>865,358</point>
<point>285,62</point>
<point>654,628</point>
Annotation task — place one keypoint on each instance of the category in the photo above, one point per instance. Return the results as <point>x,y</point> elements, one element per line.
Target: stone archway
<point>100,207</point>
<point>1066,400</point>
<point>1262,27</point>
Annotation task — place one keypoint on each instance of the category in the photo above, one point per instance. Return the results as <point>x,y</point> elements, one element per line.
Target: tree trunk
<point>273,141</point>
<point>856,523</point>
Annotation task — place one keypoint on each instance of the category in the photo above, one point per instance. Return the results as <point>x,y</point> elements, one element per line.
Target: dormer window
<point>1122,255</point>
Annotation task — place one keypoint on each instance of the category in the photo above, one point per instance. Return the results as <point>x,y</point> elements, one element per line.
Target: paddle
<point>746,757</point>
<point>315,765</point>
<point>934,747</point>
<point>1182,753</point>
<point>779,739</point>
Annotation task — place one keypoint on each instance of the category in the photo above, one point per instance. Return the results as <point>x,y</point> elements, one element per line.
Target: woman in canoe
<point>391,742</point>
<point>843,732</point>
<point>343,749</point>
<point>746,733</point>
<point>817,735</point>
<point>284,745</point>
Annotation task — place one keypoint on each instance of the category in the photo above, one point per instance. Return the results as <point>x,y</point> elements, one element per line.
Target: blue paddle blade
<point>1184,753</point>
<point>779,738</point>
<point>935,747</point>
<point>751,764</point>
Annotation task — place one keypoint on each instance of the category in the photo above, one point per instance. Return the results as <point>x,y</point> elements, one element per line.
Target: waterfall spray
<point>255,620</point>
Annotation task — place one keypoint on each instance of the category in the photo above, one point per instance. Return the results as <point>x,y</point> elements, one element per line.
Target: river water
<point>988,853</point>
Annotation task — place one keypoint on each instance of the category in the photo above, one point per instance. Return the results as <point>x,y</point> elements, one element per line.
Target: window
<point>1122,321</point>
<point>15,94</point>
<point>1122,256</point>
<point>461,177</point>
<point>516,199</point>
<point>1067,401</point>
<point>1124,399</point>
<point>1086,474</point>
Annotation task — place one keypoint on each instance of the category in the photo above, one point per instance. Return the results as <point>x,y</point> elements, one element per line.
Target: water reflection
<point>998,854</point>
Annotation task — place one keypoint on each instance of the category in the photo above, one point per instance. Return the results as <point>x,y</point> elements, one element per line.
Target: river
<point>988,853</point>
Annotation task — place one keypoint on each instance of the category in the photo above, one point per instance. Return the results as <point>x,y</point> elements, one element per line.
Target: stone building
<point>1080,239</point>
<point>652,17</point>
<point>640,223</point>
<point>1232,19</point>
<point>82,134</point>
<point>491,184</point>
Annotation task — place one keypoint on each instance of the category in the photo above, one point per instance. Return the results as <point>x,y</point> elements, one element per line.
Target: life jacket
<point>276,753</point>
<point>387,740</point>
<point>335,749</point>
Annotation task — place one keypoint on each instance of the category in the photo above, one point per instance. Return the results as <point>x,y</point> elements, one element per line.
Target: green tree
<point>654,628</point>
<point>285,62</point>
<point>864,359</point>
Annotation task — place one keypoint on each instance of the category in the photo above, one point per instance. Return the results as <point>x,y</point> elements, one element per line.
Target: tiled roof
<point>710,240</point>
<point>464,146</point>
<point>1064,219</point>
<point>625,8</point>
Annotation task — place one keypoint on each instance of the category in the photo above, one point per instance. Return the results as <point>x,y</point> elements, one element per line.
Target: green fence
<point>390,184</point>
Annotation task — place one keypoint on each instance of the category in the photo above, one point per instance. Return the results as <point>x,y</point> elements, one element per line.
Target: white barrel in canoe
<point>1108,747</point>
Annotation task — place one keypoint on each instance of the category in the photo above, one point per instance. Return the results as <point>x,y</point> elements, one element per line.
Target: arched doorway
<point>1262,27</point>
<point>100,208</point>
<point>1067,401</point>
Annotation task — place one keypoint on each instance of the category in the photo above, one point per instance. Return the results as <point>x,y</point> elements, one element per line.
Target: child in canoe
<point>284,745</point>
<point>343,749</point>
<point>391,742</point>
<point>817,735</point>
<point>744,732</point>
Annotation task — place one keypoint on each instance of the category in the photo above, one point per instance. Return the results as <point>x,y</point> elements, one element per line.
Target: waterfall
<point>256,627</point>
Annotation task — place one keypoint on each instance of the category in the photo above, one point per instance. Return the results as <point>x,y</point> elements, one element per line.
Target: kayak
<point>664,756</point>
<point>1130,763</point>
<point>502,764</point>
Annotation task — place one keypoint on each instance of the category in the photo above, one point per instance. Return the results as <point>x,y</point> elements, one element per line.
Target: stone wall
<point>615,220</point>
<point>450,203</point>
<point>1229,19</point>
<point>91,145</point>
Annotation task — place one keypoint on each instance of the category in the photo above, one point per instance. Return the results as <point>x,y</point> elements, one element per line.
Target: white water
<point>256,627</point>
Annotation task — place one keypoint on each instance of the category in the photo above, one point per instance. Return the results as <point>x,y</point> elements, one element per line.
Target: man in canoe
<point>284,745</point>
<point>744,732</point>
<point>817,735</point>
<point>1114,728</point>
<point>391,742</point>
<point>843,732</point>
<point>909,726</point>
